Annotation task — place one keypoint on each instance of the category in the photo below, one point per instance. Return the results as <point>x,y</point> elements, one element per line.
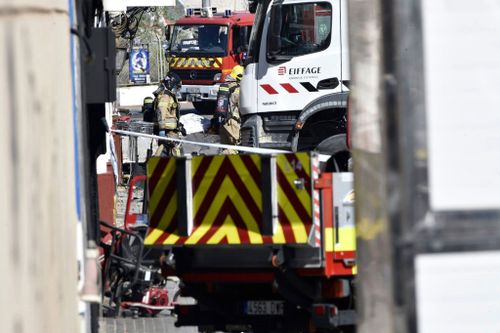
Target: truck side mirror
<point>274,33</point>
<point>246,61</point>
<point>242,54</point>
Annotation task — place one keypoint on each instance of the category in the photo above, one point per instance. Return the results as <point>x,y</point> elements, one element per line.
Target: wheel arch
<point>319,106</point>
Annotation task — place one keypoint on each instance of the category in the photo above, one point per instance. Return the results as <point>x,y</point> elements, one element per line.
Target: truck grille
<point>196,74</point>
<point>279,122</point>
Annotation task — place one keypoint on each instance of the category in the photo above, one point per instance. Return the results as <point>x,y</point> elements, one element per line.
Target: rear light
<point>320,310</point>
<point>182,309</point>
<point>217,76</point>
<point>333,311</point>
<point>325,310</point>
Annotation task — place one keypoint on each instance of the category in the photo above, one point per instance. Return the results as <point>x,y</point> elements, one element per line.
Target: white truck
<point>296,83</point>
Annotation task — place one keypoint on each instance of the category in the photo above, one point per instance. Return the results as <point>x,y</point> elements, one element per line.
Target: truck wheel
<point>205,107</point>
<point>336,146</point>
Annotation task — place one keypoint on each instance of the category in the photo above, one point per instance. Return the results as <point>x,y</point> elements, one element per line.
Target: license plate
<point>260,308</point>
<point>193,90</point>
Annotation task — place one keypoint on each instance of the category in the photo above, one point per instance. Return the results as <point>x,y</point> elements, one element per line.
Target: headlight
<point>217,76</point>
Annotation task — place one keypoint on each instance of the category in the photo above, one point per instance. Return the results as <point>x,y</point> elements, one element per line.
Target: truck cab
<point>204,48</point>
<point>295,87</point>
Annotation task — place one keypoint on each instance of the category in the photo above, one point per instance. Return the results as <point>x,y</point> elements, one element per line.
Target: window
<point>241,35</point>
<point>199,39</point>
<point>305,28</point>
<point>255,36</point>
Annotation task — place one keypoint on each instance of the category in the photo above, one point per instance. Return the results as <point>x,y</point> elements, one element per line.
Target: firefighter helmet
<point>237,72</point>
<point>172,81</point>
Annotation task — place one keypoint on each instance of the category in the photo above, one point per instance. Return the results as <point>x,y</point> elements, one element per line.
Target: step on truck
<point>262,243</point>
<point>204,46</point>
<point>296,82</point>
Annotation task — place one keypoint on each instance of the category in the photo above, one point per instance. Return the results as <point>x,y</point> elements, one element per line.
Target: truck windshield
<point>199,39</point>
<point>254,43</point>
<point>306,28</point>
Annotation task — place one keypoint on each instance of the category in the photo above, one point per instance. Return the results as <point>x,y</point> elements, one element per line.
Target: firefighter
<point>167,110</point>
<point>227,113</point>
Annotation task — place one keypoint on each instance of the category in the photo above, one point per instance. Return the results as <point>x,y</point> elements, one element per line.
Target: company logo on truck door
<point>299,72</point>
<point>227,201</point>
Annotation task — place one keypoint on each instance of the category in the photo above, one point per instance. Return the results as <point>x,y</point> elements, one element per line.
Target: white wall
<point>134,95</point>
<point>38,268</point>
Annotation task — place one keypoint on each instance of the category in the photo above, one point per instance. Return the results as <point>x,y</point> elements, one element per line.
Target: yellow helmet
<point>148,100</point>
<point>237,72</point>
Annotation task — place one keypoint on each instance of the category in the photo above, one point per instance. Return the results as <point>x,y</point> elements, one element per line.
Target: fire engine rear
<point>263,243</point>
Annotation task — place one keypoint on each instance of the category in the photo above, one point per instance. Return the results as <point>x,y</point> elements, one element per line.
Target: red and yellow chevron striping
<point>227,201</point>
<point>190,62</point>
<point>294,205</point>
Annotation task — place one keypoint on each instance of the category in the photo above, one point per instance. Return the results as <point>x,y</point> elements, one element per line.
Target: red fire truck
<point>263,243</point>
<point>204,47</point>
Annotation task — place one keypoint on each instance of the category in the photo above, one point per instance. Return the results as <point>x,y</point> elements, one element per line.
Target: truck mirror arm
<point>248,60</point>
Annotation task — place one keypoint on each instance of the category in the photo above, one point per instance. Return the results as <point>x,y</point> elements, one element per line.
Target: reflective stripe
<point>227,201</point>
<point>347,239</point>
<point>192,62</point>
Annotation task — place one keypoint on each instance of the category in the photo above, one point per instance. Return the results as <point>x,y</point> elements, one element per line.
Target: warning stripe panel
<point>294,202</point>
<point>227,201</point>
<point>190,62</point>
<point>297,169</point>
<point>309,86</point>
<point>217,63</point>
<point>288,88</point>
<point>162,205</point>
<point>269,89</point>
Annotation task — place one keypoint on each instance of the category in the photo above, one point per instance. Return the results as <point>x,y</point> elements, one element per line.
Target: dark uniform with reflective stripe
<point>228,111</point>
<point>167,114</point>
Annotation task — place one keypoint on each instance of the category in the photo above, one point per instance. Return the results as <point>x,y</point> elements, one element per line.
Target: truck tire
<point>336,146</point>
<point>205,107</point>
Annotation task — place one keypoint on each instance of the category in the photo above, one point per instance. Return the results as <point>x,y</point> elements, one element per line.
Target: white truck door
<point>307,64</point>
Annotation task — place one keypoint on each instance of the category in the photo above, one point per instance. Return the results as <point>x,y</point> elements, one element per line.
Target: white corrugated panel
<point>37,175</point>
<point>458,292</point>
<point>462,79</point>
